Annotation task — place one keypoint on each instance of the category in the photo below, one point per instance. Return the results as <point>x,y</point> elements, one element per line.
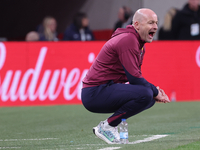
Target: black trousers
<point>124,100</point>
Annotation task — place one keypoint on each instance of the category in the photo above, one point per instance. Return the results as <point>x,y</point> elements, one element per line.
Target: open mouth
<point>151,34</point>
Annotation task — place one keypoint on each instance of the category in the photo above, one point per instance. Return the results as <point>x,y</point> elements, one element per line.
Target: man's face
<point>121,14</point>
<point>193,4</point>
<point>85,22</point>
<point>148,27</point>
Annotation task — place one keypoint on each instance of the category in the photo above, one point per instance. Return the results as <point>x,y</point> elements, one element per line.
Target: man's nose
<point>155,26</point>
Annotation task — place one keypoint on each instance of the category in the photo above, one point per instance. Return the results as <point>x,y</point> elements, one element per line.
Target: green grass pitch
<point>69,127</point>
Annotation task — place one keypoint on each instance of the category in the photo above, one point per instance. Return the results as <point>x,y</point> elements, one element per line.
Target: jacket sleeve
<point>141,81</point>
<point>131,59</point>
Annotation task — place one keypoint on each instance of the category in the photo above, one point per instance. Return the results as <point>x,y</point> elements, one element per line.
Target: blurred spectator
<point>125,15</point>
<point>32,36</point>
<point>3,39</point>
<point>48,30</point>
<point>185,25</point>
<point>165,31</point>
<point>79,30</point>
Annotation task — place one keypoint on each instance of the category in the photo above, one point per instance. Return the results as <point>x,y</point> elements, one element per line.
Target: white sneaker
<point>107,133</point>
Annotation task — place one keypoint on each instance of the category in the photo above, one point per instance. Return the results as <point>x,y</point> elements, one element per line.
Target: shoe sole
<point>95,131</point>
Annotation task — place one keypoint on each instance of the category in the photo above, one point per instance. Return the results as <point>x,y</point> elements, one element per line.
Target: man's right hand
<point>161,97</point>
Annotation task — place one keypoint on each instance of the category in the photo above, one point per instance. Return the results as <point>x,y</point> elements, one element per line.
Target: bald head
<point>145,22</point>
<point>142,14</point>
<point>32,36</point>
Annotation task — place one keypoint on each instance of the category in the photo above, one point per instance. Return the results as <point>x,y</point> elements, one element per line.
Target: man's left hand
<point>164,98</point>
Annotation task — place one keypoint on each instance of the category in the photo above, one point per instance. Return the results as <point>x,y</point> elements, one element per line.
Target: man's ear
<point>136,25</point>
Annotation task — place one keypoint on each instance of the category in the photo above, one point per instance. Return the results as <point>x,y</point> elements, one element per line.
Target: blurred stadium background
<point>18,17</point>
<point>56,124</point>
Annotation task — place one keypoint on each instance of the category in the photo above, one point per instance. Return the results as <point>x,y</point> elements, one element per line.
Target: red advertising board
<point>175,67</point>
<point>50,73</point>
<point>44,73</point>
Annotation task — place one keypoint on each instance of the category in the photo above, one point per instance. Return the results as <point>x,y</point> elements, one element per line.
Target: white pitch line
<point>89,144</point>
<point>138,135</point>
<point>9,147</point>
<point>154,137</point>
<point>42,139</point>
<point>151,138</point>
<point>110,148</point>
